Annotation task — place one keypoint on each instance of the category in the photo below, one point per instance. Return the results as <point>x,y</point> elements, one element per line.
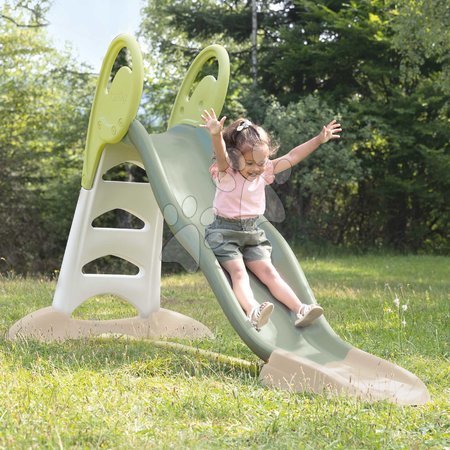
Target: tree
<point>422,38</point>
<point>44,108</point>
<point>25,13</point>
<point>318,193</point>
<point>379,64</point>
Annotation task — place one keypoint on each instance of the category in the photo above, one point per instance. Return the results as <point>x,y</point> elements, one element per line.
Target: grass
<point>124,394</point>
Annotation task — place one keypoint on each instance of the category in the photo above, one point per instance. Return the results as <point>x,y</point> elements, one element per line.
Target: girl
<point>241,171</point>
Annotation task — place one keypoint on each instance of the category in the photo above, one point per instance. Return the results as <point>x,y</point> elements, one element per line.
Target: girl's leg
<point>268,274</point>
<point>241,284</point>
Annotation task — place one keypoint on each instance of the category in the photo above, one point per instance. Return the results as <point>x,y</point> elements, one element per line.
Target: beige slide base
<point>49,324</point>
<point>359,375</point>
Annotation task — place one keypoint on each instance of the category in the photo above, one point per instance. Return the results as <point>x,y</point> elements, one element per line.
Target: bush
<point>318,193</point>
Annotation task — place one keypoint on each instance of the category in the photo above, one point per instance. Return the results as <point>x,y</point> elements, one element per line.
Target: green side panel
<point>114,107</point>
<point>177,163</point>
<point>210,92</point>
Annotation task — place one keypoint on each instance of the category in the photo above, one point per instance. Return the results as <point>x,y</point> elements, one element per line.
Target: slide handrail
<point>114,107</point>
<point>210,92</point>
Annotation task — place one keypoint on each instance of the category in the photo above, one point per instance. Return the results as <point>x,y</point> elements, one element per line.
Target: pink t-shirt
<point>237,197</point>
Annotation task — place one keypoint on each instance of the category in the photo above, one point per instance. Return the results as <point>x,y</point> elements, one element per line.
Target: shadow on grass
<point>136,358</point>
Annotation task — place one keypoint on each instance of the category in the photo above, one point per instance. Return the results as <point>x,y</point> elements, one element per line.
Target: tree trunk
<point>254,43</point>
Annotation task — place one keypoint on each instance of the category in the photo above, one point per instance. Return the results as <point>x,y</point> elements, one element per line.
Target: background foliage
<point>381,67</point>
<point>44,106</point>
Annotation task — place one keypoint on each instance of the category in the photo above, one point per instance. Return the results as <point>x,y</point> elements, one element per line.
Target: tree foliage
<point>421,37</point>
<point>43,112</point>
<point>381,66</point>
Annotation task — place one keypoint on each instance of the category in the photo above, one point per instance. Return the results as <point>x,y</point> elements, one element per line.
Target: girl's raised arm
<point>300,152</point>
<point>215,128</point>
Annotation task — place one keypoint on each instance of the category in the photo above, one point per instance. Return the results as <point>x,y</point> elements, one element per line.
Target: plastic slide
<point>308,359</point>
<point>312,359</point>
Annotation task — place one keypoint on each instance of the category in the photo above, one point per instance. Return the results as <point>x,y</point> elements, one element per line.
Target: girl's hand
<point>214,126</point>
<point>329,132</point>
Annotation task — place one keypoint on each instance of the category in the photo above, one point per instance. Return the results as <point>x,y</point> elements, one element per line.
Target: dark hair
<point>243,133</point>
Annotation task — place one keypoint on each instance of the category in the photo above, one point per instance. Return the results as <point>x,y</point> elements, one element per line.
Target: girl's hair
<point>242,134</point>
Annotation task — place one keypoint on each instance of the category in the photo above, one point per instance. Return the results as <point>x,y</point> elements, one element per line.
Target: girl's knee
<point>270,273</point>
<point>238,274</point>
<point>236,271</point>
<point>264,270</point>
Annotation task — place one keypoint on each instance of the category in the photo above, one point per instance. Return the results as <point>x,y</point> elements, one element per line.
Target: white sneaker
<point>308,314</point>
<point>260,315</point>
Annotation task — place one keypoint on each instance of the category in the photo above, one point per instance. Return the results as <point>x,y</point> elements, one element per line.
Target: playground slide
<point>312,358</point>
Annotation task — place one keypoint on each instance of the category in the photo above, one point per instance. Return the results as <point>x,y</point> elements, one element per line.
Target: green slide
<point>309,359</point>
<point>312,358</point>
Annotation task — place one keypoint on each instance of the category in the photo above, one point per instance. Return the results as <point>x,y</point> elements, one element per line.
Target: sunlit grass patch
<point>125,393</point>
<point>104,307</point>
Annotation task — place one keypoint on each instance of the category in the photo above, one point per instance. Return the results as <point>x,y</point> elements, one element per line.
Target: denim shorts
<point>237,239</point>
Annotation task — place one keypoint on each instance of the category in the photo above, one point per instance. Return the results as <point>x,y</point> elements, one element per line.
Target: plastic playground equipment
<point>312,359</point>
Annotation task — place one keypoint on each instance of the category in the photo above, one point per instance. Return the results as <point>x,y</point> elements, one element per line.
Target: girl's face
<point>253,161</point>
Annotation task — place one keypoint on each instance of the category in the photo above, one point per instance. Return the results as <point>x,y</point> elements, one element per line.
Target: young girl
<point>241,171</point>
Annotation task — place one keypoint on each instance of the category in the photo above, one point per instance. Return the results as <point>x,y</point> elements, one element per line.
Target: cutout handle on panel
<point>209,93</point>
<point>114,108</point>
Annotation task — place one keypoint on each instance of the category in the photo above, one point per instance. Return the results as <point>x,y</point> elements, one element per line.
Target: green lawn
<point>127,394</point>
